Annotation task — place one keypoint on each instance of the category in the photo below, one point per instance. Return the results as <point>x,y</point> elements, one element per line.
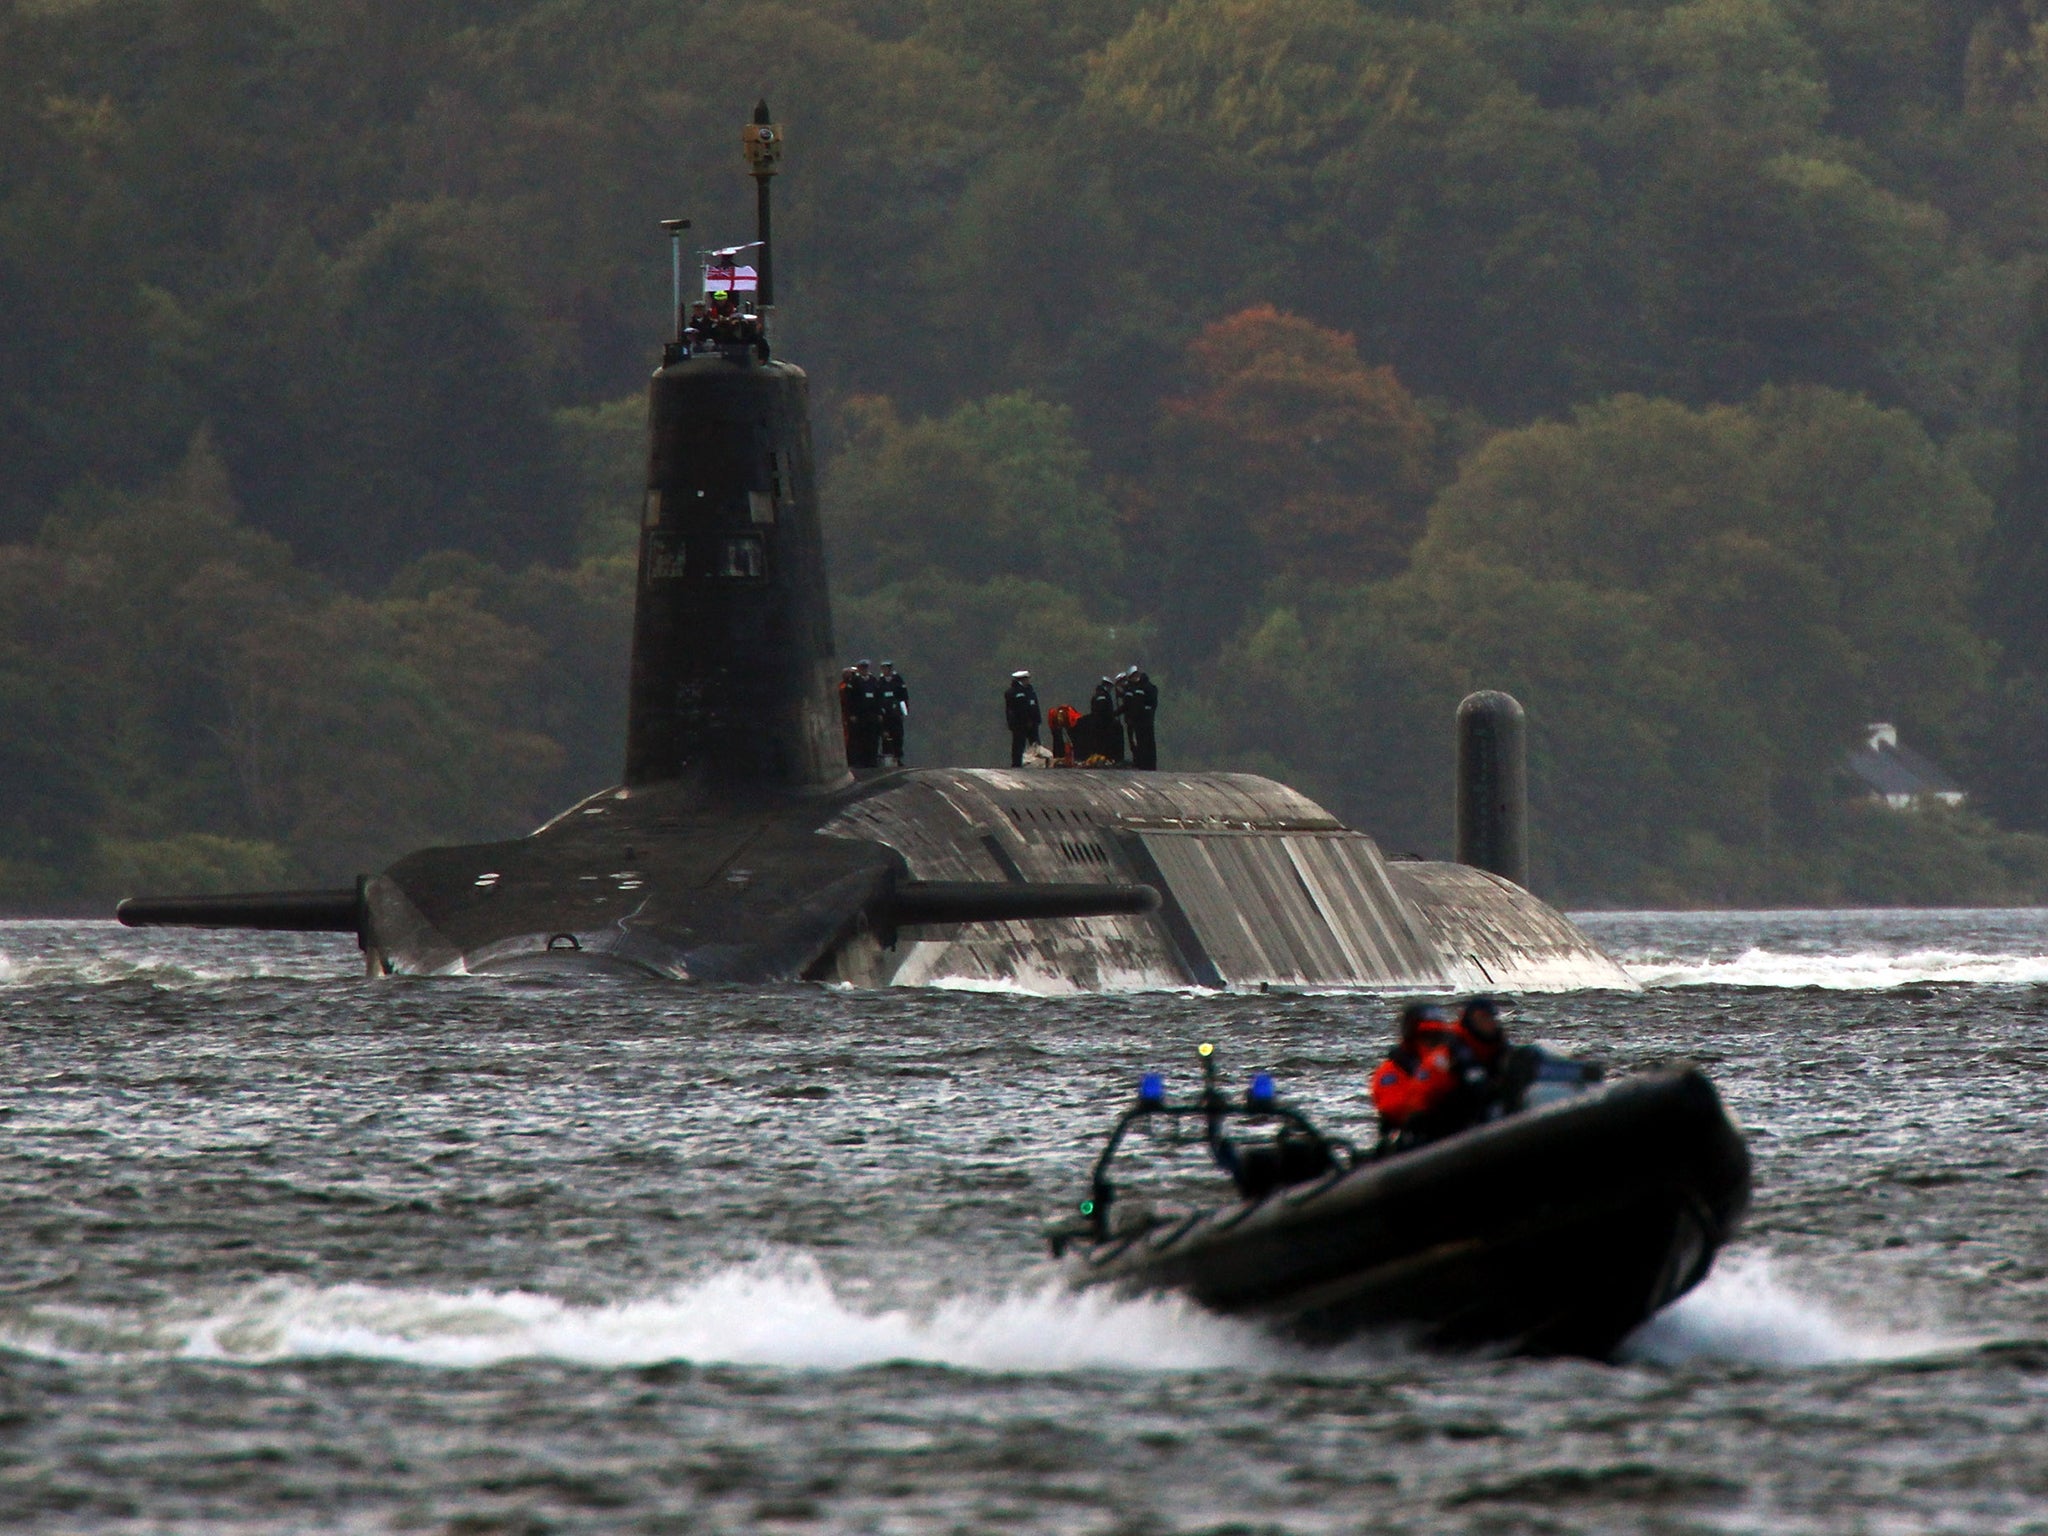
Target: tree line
<point>1682,368</point>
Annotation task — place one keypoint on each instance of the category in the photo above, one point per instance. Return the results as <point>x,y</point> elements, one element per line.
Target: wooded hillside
<point>1681,368</point>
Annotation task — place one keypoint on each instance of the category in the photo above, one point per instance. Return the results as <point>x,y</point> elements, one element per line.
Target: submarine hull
<point>1258,885</point>
<point>1556,1231</point>
<point>739,847</point>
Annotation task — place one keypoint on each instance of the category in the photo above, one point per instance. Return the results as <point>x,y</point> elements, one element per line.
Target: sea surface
<point>286,1250</point>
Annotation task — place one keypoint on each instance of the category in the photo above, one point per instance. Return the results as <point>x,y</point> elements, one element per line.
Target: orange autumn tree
<point>1286,460</point>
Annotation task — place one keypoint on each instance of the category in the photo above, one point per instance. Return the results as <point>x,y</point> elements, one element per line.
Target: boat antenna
<point>1212,1098</point>
<point>675,228</point>
<point>763,142</point>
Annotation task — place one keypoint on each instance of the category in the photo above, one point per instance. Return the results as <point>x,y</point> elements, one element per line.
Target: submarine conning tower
<point>732,626</point>
<point>732,673</point>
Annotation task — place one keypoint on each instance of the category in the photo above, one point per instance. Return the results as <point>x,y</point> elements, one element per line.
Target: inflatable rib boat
<point>1551,1230</point>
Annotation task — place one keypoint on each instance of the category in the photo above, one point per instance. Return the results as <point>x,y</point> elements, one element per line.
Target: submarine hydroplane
<point>739,847</point>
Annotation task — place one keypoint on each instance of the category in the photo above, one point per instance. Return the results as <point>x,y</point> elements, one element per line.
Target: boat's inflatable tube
<point>1553,1231</point>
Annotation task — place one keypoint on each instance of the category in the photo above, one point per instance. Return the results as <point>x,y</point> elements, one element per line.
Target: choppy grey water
<point>287,1250</point>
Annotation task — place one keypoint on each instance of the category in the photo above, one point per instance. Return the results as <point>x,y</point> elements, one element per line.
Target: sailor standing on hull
<point>865,722</point>
<point>1020,710</point>
<point>895,699</point>
<point>1137,699</point>
<point>1105,732</point>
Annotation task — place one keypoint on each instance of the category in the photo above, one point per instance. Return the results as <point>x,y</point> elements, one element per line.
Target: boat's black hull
<point>1557,1231</point>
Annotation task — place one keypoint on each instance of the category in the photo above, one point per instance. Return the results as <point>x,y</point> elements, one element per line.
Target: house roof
<point>1896,770</point>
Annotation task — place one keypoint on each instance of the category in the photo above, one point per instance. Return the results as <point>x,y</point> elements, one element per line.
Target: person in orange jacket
<point>1062,718</point>
<point>1418,1078</point>
<point>1440,1076</point>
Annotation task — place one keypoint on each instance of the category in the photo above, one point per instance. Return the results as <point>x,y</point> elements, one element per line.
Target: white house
<point>1899,776</point>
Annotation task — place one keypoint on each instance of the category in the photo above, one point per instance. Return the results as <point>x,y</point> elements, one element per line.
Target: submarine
<point>739,847</point>
<point>1557,1228</point>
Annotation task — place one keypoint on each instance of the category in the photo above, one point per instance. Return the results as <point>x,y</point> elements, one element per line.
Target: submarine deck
<point>1260,887</point>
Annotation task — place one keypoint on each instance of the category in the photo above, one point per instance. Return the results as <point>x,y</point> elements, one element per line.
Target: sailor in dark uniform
<point>895,699</point>
<point>1138,702</point>
<point>865,725</point>
<point>1105,735</point>
<point>1020,711</point>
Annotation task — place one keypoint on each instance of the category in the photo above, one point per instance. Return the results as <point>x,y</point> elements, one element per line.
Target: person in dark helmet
<point>1103,733</point>
<point>894,694</point>
<point>1020,711</point>
<point>1478,1031</point>
<point>1445,1074</point>
<point>1417,1077</point>
<point>1479,1045</point>
<point>1138,703</point>
<point>1429,1086</point>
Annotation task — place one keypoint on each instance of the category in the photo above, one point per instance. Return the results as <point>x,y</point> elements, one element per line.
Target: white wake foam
<point>1747,1313</point>
<point>1860,971</point>
<point>43,952</point>
<point>112,970</point>
<point>784,1313</point>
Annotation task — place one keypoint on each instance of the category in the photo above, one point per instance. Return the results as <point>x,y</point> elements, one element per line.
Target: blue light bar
<point>1151,1089</point>
<point>1261,1091</point>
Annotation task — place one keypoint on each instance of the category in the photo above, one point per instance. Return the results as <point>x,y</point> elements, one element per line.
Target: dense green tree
<point>201,708</point>
<point>1288,459</point>
<point>1038,47</point>
<point>1623,712</point>
<point>1895,526</point>
<point>1422,200</point>
<point>1818,546</point>
<point>998,485</point>
<point>573,625</point>
<point>50,802</point>
<point>2016,555</point>
<point>383,406</point>
<point>1758,267</point>
<point>2012,750</point>
<point>320,414</point>
<point>604,448</point>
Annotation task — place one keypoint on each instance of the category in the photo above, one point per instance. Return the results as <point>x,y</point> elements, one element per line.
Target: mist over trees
<point>1682,368</point>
